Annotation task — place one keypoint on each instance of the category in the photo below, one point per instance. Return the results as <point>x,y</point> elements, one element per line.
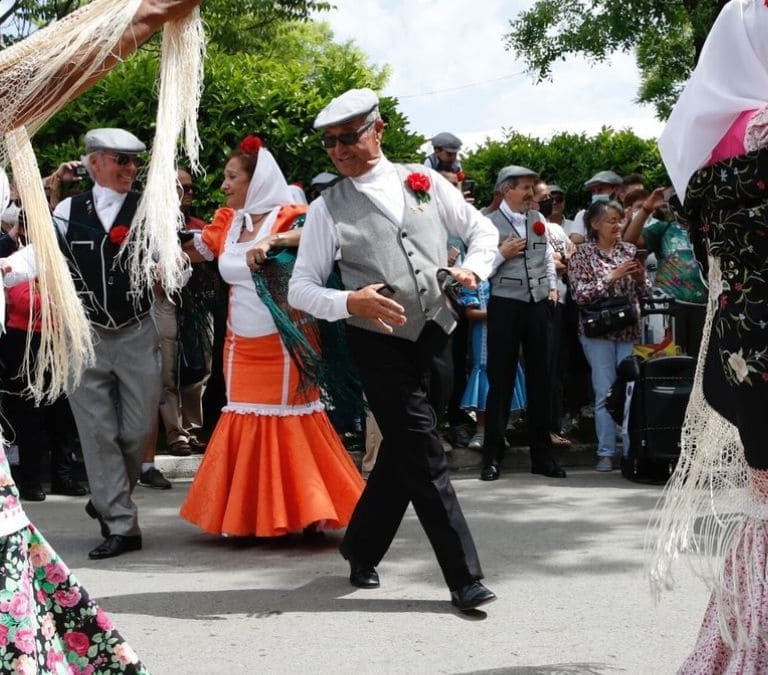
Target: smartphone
<point>386,290</point>
<point>641,255</point>
<point>81,171</point>
<point>468,187</point>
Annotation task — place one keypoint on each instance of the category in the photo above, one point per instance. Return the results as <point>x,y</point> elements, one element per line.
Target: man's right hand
<point>369,303</point>
<point>512,247</point>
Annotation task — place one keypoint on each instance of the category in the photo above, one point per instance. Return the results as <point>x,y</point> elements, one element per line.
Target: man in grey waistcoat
<point>523,298</point>
<point>385,225</point>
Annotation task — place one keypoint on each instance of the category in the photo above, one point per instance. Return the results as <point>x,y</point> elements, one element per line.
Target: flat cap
<point>604,177</point>
<point>118,140</point>
<point>446,141</point>
<point>556,188</point>
<point>324,178</point>
<point>514,171</point>
<point>352,103</point>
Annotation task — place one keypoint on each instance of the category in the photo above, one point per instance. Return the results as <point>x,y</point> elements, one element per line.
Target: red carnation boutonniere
<point>118,234</point>
<point>539,228</point>
<point>460,175</point>
<point>419,184</point>
<point>251,145</point>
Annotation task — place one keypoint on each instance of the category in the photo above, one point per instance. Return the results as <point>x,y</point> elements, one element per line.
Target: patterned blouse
<point>588,271</point>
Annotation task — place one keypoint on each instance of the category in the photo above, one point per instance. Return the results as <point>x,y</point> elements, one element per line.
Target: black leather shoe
<point>90,509</point>
<point>363,576</point>
<point>115,544</point>
<point>551,470</point>
<point>489,472</point>
<point>68,487</point>
<point>471,596</point>
<point>32,492</point>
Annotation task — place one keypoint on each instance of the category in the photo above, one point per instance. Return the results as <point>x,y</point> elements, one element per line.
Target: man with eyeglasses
<point>386,226</point>
<point>116,403</point>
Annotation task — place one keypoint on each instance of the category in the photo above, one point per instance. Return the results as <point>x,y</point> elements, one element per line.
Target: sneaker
<point>153,478</point>
<point>476,442</point>
<point>604,464</point>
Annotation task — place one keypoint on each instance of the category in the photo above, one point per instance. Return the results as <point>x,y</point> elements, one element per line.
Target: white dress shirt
<point>319,246</point>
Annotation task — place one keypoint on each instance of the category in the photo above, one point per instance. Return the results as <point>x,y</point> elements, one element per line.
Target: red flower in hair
<point>460,175</point>
<point>539,228</point>
<point>419,183</point>
<point>251,145</point>
<point>118,234</point>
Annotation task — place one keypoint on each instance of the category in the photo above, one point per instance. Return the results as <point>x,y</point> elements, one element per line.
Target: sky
<point>451,72</point>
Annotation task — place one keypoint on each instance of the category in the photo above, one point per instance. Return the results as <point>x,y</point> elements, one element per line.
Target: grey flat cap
<point>324,178</point>
<point>118,140</point>
<point>514,171</point>
<point>446,141</point>
<point>604,177</point>
<point>352,103</point>
<point>556,188</point>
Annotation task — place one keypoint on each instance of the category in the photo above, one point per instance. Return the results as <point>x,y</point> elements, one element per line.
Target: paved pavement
<point>564,556</point>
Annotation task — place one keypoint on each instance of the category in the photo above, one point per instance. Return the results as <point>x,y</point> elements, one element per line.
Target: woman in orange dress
<point>274,463</point>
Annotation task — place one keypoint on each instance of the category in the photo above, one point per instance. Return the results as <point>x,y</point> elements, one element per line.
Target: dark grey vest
<point>523,277</point>
<point>374,249</point>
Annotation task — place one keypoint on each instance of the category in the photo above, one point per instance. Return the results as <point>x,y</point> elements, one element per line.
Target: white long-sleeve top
<point>319,247</point>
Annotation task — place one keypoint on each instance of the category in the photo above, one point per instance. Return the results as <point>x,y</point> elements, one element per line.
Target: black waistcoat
<point>100,277</point>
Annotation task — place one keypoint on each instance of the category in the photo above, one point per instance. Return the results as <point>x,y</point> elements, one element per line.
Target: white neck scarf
<point>730,78</point>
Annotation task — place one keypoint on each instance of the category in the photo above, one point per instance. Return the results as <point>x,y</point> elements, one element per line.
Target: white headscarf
<point>267,190</point>
<point>730,78</point>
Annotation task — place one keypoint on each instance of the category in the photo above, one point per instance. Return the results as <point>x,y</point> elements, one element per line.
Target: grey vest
<point>375,250</point>
<point>523,277</point>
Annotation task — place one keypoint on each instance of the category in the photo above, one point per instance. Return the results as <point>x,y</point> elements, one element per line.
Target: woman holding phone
<point>605,266</point>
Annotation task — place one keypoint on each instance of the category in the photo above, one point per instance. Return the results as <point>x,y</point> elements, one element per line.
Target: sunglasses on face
<point>347,138</point>
<point>122,158</point>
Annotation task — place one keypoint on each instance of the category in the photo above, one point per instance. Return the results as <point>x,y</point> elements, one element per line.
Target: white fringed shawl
<point>33,89</point>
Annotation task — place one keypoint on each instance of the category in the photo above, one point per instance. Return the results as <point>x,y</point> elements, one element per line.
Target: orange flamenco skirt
<point>274,463</point>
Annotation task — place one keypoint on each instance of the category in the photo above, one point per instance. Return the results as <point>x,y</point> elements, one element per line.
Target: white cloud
<point>450,72</point>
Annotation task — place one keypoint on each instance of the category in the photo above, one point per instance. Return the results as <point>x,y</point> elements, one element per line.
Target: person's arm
<point>256,255</point>
<point>66,84</point>
<point>634,232</point>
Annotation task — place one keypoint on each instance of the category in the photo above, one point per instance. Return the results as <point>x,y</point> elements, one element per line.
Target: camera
<point>81,171</point>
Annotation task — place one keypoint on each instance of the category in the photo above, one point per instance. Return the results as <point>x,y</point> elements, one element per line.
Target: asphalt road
<point>565,558</point>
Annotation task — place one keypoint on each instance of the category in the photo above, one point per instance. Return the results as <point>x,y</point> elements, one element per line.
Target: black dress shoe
<point>363,576</point>
<point>68,487</point>
<point>551,470</point>
<point>90,509</point>
<point>115,544</point>
<point>32,492</point>
<point>471,596</point>
<point>489,472</point>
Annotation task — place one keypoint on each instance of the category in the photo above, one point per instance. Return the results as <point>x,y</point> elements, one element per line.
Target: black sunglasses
<point>347,138</point>
<point>122,158</point>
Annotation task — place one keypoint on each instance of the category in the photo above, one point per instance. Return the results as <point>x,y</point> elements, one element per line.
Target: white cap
<point>351,104</point>
<point>118,140</point>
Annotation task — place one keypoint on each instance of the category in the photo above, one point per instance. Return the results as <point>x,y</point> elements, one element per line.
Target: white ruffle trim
<point>12,520</point>
<point>201,248</point>
<point>274,410</point>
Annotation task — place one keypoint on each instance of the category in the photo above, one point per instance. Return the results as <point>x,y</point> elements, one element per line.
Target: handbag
<point>606,315</point>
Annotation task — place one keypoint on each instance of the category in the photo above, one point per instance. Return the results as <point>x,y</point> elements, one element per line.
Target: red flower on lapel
<point>419,183</point>
<point>539,228</point>
<point>118,234</point>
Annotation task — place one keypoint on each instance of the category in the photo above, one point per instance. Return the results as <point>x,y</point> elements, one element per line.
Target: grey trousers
<point>115,408</point>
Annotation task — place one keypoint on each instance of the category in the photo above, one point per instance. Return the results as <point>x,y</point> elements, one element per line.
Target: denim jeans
<point>604,356</point>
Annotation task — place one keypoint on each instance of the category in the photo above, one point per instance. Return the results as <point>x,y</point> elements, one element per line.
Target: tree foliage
<point>275,96</point>
<point>667,36</point>
<point>567,159</point>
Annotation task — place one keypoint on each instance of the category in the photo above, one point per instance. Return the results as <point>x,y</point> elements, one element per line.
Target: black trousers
<point>513,324</point>
<point>411,466</point>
